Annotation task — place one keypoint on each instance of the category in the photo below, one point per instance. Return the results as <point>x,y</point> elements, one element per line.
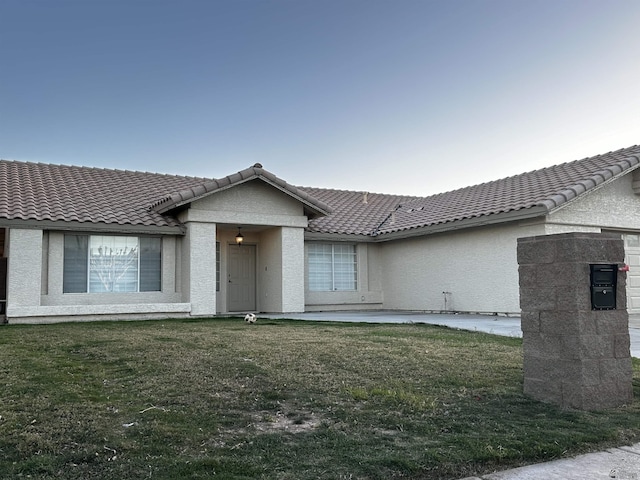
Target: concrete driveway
<point>498,325</point>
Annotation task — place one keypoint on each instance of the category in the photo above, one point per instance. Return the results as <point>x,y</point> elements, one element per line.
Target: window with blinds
<point>332,267</point>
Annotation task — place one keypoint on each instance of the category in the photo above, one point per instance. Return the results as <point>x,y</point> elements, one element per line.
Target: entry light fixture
<point>239,237</point>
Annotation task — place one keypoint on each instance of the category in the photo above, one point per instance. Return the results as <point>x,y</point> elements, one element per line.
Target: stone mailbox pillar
<point>575,356</point>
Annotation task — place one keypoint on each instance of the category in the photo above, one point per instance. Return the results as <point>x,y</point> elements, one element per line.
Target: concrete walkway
<point>620,463</point>
<point>617,463</point>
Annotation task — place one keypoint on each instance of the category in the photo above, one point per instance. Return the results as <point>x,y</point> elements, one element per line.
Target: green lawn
<point>277,400</point>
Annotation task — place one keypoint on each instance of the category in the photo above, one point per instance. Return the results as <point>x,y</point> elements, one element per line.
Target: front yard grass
<point>277,400</point>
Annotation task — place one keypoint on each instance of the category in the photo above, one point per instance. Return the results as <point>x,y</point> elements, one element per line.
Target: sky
<point>411,97</point>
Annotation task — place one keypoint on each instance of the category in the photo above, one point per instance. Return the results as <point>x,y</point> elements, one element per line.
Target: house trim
<point>92,310</point>
<point>92,227</point>
<point>514,215</point>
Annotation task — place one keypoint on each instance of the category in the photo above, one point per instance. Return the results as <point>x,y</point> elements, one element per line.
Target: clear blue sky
<point>392,96</point>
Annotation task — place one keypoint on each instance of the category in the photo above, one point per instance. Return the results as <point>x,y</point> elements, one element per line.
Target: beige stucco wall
<point>251,203</point>
<point>292,241</point>
<point>281,270</point>
<point>613,206</point>
<point>199,261</point>
<point>24,272</point>
<point>476,267</point>
<point>270,275</point>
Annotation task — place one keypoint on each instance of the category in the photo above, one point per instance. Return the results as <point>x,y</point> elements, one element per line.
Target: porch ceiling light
<point>239,237</point>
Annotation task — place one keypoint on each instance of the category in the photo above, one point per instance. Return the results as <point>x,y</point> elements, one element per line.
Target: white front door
<point>241,280</point>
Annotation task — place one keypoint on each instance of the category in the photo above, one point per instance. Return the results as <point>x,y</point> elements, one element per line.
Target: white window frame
<point>332,267</point>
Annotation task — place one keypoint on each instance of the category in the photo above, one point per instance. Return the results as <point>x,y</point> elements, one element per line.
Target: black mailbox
<point>603,286</point>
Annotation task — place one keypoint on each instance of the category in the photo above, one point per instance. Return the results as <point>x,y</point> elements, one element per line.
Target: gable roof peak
<point>313,207</point>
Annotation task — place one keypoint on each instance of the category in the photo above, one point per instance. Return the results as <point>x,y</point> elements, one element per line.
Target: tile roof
<point>43,192</point>
<point>533,193</point>
<point>354,213</point>
<point>36,191</point>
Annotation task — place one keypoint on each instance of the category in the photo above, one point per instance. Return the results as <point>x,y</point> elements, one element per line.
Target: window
<point>632,240</point>
<point>332,267</point>
<point>108,263</point>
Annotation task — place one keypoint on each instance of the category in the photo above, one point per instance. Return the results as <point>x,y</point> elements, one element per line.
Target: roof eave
<point>484,220</point>
<point>337,237</point>
<point>74,226</point>
<point>599,180</point>
<point>316,209</point>
<point>174,206</point>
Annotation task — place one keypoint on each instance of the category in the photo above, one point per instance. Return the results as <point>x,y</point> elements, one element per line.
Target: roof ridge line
<point>613,152</point>
<point>359,192</point>
<point>102,169</point>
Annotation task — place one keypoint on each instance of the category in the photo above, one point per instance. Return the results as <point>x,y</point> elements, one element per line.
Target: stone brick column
<point>574,356</point>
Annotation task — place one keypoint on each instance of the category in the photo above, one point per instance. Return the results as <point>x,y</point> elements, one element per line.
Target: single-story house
<point>79,243</point>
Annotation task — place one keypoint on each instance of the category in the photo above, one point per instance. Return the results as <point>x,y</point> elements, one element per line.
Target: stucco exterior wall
<point>251,203</point>
<point>199,253</point>
<point>24,272</point>
<point>475,270</point>
<point>224,237</point>
<point>613,206</point>
<point>292,270</point>
<point>270,276</point>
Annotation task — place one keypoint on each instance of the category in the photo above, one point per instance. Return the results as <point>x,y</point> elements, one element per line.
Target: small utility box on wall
<point>575,325</point>
<point>604,280</point>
